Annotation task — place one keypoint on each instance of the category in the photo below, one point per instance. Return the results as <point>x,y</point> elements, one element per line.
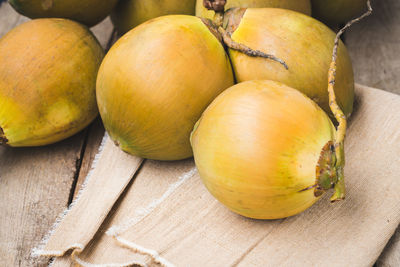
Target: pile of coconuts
<point>256,90</point>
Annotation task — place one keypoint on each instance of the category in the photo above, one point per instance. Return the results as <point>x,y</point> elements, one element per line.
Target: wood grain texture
<point>35,183</point>
<point>374,47</point>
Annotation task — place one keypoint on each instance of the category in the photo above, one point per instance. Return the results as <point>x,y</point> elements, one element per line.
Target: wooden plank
<point>35,183</point>
<point>374,47</point>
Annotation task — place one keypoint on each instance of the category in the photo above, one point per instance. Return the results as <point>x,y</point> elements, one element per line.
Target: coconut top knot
<point>216,5</point>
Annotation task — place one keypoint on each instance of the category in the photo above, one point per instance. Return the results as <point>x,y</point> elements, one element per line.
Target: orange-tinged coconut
<point>130,13</point>
<point>48,71</point>
<point>258,148</point>
<point>304,43</point>
<point>89,12</point>
<point>334,12</point>
<point>303,6</point>
<point>155,82</point>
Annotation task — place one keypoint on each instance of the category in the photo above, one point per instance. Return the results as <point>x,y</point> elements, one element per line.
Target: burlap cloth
<point>165,216</point>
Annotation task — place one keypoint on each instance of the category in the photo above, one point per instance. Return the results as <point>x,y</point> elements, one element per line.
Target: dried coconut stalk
<point>218,6</point>
<point>338,113</point>
<point>247,50</point>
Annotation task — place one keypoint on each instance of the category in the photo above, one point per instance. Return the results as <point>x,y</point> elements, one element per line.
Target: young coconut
<point>47,81</point>
<point>334,12</point>
<point>267,151</point>
<point>89,12</point>
<point>302,42</point>
<point>257,147</point>
<point>155,82</point>
<point>303,6</point>
<point>130,13</point>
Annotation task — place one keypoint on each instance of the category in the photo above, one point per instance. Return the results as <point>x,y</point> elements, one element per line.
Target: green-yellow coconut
<point>89,12</point>
<point>258,149</point>
<point>48,71</point>
<point>303,6</point>
<point>304,43</point>
<point>155,82</point>
<point>130,13</point>
<point>334,12</point>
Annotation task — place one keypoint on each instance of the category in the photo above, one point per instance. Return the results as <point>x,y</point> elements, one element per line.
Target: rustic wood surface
<point>36,184</point>
<point>374,46</point>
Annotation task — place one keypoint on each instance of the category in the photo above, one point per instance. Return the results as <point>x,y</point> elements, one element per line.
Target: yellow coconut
<point>130,13</point>
<point>264,150</point>
<point>334,12</point>
<point>155,82</point>
<point>303,6</point>
<point>47,81</point>
<point>304,43</point>
<point>89,12</point>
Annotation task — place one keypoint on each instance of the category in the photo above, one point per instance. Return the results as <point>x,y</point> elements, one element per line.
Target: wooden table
<point>36,184</point>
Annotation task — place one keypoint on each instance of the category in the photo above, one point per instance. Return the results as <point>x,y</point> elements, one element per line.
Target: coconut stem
<point>336,110</point>
<point>247,50</point>
<point>218,6</point>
